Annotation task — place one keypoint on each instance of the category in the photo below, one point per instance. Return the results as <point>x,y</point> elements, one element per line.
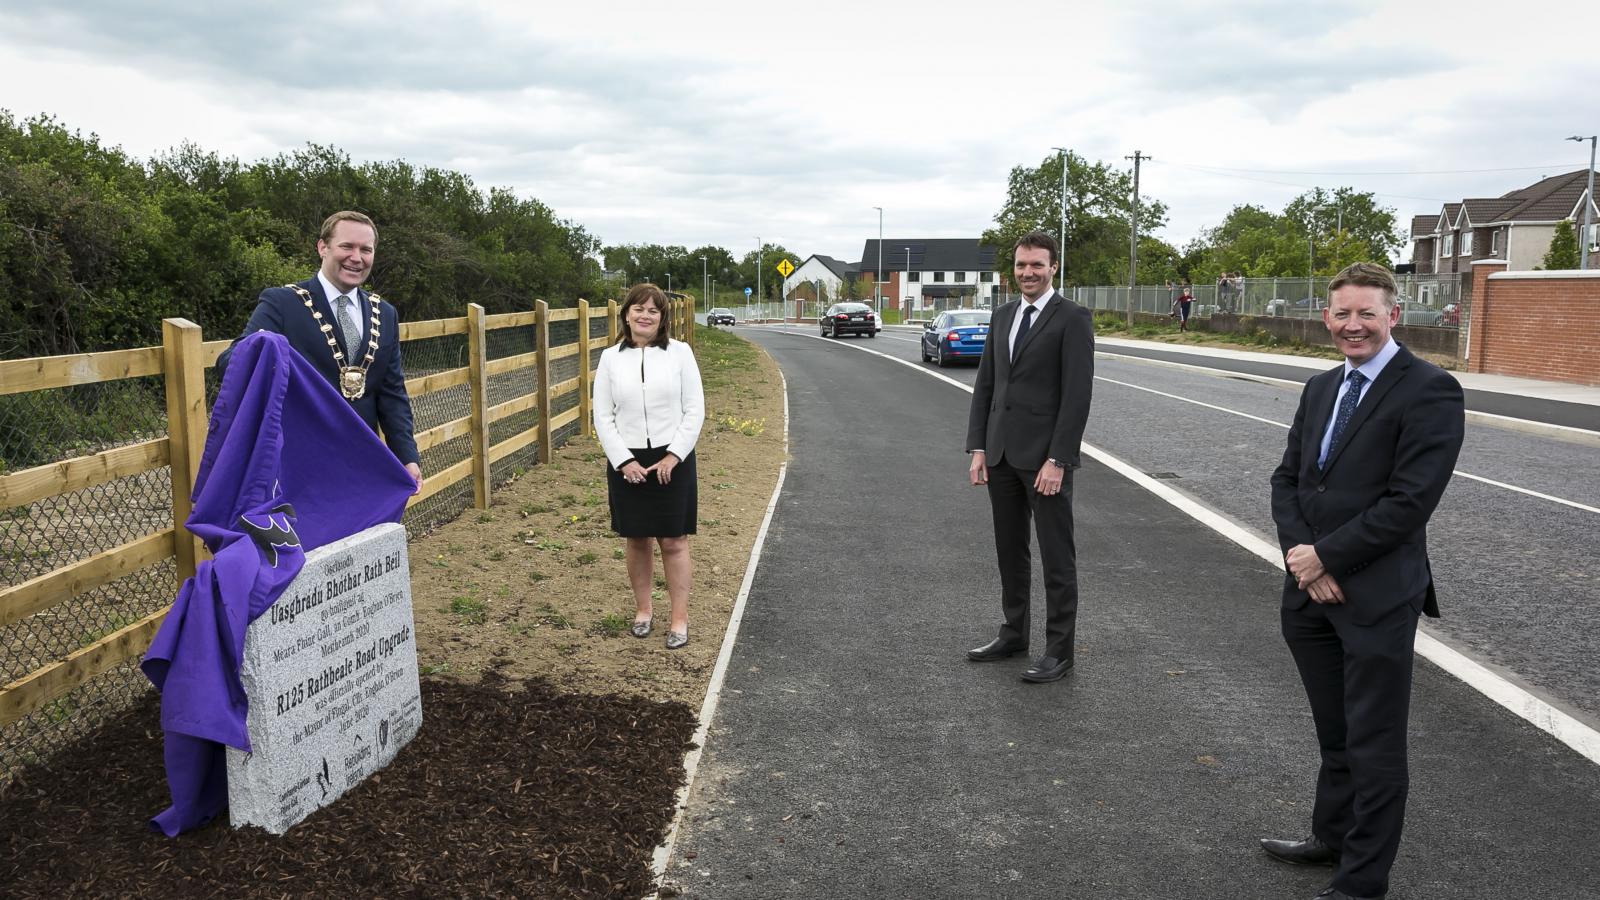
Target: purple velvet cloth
<point>288,467</point>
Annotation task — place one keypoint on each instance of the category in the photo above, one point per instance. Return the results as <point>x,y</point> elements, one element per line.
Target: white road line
<point>1528,426</point>
<point>708,709</point>
<point>1546,715</point>
<point>1489,481</point>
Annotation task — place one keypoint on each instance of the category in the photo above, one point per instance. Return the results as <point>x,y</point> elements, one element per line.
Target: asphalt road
<point>856,753</point>
<point>1535,409</point>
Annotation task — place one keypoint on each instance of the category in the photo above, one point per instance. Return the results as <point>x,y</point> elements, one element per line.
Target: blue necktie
<point>1027,322</point>
<point>1347,408</point>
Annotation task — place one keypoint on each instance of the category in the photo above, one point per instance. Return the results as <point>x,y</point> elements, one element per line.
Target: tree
<point>1563,252</point>
<point>1099,204</point>
<point>1318,229</point>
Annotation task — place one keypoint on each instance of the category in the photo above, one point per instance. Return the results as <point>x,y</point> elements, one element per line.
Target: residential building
<point>1516,227</point>
<point>831,272</point>
<point>934,273</point>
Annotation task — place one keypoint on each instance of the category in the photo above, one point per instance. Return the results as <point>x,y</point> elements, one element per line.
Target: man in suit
<point>1372,447</point>
<point>354,344</point>
<point>1029,408</point>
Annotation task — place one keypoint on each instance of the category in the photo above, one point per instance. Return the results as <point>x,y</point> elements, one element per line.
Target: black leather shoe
<point>995,649</point>
<point>1047,668</point>
<point>1309,852</point>
<point>1331,893</point>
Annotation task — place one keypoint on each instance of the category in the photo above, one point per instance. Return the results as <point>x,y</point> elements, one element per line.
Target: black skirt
<point>653,509</point>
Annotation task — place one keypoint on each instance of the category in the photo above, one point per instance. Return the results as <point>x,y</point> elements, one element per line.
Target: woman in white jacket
<point>648,408</point>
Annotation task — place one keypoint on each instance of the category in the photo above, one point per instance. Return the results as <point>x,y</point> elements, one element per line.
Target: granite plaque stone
<point>331,673</point>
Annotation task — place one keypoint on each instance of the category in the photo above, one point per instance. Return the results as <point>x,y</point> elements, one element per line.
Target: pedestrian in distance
<point>1184,305</point>
<point>1372,447</point>
<point>350,335</point>
<point>648,409</point>
<point>1030,405</point>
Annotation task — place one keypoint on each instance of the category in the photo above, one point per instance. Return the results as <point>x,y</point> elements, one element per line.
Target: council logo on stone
<point>383,733</point>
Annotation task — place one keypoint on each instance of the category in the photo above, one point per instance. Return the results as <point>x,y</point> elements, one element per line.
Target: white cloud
<point>715,122</point>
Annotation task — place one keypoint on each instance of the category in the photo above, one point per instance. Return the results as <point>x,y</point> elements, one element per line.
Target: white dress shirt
<point>1372,368</point>
<point>335,298</point>
<point>1022,310</point>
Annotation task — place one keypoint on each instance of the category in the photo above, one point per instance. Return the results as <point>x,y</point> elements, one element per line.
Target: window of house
<point>938,276</point>
<point>1466,242</point>
<point>1594,235</point>
<point>1448,245</point>
<point>986,277</point>
<point>915,276</point>
<point>1494,242</point>
<point>960,277</point>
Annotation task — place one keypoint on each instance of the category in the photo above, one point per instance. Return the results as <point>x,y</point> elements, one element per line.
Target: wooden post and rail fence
<point>181,361</point>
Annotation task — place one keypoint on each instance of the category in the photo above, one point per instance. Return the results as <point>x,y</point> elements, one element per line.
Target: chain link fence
<point>46,426</point>
<point>1424,299</point>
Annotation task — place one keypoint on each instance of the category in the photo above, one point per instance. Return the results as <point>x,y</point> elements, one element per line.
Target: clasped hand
<point>1309,574</point>
<point>636,474</point>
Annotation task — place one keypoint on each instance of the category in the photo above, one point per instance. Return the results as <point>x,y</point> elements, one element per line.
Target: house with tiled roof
<point>1516,227</point>
<point>817,268</point>
<point>934,273</point>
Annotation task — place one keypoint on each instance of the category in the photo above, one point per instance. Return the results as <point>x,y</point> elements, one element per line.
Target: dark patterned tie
<point>1027,322</point>
<point>347,326</point>
<point>1347,408</point>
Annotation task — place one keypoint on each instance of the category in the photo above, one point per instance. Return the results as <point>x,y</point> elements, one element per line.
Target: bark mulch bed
<point>510,788</point>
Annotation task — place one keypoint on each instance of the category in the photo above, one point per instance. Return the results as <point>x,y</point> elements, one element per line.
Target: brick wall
<point>1543,325</point>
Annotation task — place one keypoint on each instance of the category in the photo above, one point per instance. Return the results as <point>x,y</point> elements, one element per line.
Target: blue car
<point>955,334</point>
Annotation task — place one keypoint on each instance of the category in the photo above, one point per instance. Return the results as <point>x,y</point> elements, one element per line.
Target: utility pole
<point>1133,236</point>
<point>1061,273</point>
<point>761,292</point>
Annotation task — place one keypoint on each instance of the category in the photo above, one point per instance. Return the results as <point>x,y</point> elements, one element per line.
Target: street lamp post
<point>761,295</point>
<point>1061,273</point>
<point>1588,205</point>
<point>705,282</point>
<point>877,275</point>
<point>669,282</point>
<point>907,287</point>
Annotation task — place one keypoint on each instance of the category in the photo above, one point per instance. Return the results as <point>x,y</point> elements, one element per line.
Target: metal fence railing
<point>1424,299</point>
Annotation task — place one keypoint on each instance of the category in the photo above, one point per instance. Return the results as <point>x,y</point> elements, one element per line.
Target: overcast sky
<point>715,123</point>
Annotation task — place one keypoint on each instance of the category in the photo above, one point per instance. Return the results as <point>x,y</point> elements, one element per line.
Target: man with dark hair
<point>1030,405</point>
<point>351,336</point>
<point>1372,447</point>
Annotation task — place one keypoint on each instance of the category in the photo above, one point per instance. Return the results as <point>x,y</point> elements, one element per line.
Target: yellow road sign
<point>785,267</point>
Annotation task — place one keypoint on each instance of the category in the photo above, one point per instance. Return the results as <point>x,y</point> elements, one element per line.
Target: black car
<point>848,318</point>
<point>719,316</point>
<point>955,334</point>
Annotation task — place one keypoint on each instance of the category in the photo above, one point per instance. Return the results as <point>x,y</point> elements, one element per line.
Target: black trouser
<point>1358,679</point>
<point>1015,502</point>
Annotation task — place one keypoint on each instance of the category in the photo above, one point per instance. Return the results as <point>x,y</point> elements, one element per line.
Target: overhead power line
<point>1545,168</point>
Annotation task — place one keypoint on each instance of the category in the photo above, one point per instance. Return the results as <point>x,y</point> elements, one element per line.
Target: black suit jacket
<point>1034,407</point>
<point>1367,511</point>
<point>385,405</point>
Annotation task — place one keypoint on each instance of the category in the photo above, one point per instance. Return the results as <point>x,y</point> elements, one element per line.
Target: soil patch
<point>518,790</point>
<point>552,740</point>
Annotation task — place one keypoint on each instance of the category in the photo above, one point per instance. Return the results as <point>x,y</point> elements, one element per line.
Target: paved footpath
<point>856,753</point>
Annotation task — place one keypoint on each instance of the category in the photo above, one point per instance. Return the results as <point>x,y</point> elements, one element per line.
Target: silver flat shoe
<point>677,639</point>
<point>640,629</point>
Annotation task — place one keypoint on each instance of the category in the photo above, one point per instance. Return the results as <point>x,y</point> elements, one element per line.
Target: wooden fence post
<point>688,320</point>
<point>478,403</point>
<point>541,332</point>
<point>613,334</point>
<point>183,368</point>
<point>585,377</point>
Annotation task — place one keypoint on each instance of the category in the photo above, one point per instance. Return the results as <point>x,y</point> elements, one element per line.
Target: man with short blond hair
<point>1373,445</point>
<point>350,335</point>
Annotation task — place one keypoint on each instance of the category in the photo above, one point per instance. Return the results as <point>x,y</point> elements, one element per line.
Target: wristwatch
<point>1057,463</point>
